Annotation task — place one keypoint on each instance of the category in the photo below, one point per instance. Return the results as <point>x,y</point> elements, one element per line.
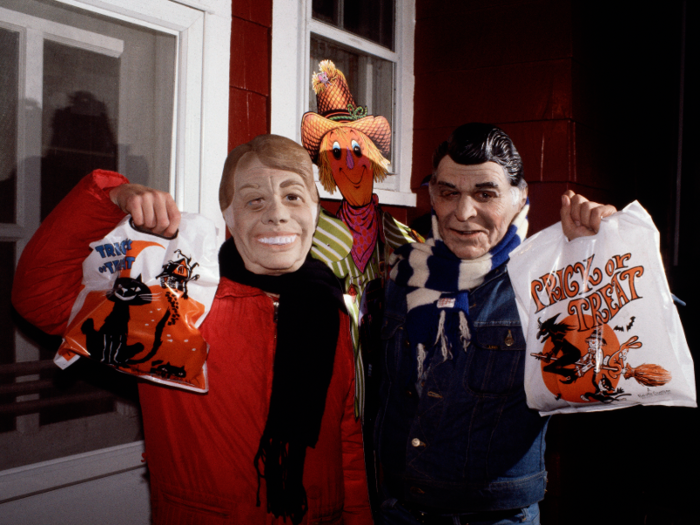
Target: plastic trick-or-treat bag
<point>142,301</point>
<point>599,319</point>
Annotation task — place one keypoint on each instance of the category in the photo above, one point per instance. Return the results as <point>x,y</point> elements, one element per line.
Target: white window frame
<point>200,127</point>
<point>33,32</point>
<point>292,26</point>
<point>200,140</point>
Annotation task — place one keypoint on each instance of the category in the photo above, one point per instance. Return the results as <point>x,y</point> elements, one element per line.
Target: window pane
<point>9,66</point>
<point>326,11</point>
<point>99,94</point>
<point>371,79</point>
<point>370,19</point>
<point>80,119</point>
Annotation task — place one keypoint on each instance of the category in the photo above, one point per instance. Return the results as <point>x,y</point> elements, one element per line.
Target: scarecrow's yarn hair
<point>380,164</point>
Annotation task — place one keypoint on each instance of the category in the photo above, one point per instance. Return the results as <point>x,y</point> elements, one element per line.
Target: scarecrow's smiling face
<point>352,169</point>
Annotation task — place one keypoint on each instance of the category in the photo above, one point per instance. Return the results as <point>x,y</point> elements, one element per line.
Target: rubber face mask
<point>475,205</point>
<point>272,217</point>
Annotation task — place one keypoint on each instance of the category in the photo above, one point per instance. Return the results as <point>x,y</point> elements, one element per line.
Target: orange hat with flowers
<point>336,108</point>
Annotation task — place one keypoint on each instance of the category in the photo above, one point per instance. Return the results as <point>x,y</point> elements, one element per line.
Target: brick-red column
<point>249,102</point>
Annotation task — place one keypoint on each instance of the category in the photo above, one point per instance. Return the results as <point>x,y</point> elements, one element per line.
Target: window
<point>371,42</point>
<point>96,84</point>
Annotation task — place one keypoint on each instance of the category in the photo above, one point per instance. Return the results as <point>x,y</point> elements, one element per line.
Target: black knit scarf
<point>307,335</point>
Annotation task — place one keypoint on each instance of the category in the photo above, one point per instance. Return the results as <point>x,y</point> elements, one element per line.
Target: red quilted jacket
<point>200,448</point>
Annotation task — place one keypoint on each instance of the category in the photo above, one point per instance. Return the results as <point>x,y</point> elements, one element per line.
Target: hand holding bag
<point>601,327</point>
<point>142,301</point>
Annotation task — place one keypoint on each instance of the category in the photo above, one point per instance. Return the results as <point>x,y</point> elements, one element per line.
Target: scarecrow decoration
<point>350,149</point>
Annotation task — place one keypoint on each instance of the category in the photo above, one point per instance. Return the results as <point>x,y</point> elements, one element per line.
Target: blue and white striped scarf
<point>439,282</point>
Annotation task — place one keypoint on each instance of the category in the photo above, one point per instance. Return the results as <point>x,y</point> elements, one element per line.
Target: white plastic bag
<point>601,328</point>
<point>142,301</point>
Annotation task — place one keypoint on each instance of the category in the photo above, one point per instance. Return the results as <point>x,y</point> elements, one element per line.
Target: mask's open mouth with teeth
<point>280,240</point>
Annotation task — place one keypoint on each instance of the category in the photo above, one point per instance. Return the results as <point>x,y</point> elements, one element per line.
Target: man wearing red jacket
<point>276,435</point>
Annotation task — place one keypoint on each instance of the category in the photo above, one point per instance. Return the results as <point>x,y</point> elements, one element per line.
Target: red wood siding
<point>510,63</point>
<point>249,87</point>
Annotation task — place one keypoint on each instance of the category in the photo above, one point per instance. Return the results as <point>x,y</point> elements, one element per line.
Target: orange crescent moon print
<point>584,358</point>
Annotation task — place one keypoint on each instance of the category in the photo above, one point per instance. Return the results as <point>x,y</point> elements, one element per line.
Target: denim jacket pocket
<point>495,360</point>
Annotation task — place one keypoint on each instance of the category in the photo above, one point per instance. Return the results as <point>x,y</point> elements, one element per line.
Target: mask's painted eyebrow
<point>249,185</point>
<point>487,185</point>
<point>284,184</point>
<point>292,182</point>
<point>479,185</point>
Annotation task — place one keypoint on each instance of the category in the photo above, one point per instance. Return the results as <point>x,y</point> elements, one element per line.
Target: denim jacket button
<point>416,442</point>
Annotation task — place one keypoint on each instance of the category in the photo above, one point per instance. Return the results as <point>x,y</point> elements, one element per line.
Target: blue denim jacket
<point>468,442</point>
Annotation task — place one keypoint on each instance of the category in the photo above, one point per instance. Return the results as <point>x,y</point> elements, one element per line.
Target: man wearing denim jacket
<point>455,439</point>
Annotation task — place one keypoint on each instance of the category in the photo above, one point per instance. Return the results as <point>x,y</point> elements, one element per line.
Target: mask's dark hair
<point>476,143</point>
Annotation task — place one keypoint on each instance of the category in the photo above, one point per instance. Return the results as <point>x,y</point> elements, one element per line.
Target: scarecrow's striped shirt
<point>332,243</point>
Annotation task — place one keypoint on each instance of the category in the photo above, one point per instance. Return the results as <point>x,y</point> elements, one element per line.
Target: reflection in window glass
<point>80,119</point>
<point>9,66</point>
<point>370,79</point>
<point>99,93</point>
<point>370,19</point>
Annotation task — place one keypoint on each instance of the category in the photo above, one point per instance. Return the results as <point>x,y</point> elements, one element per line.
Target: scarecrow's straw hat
<point>336,108</point>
